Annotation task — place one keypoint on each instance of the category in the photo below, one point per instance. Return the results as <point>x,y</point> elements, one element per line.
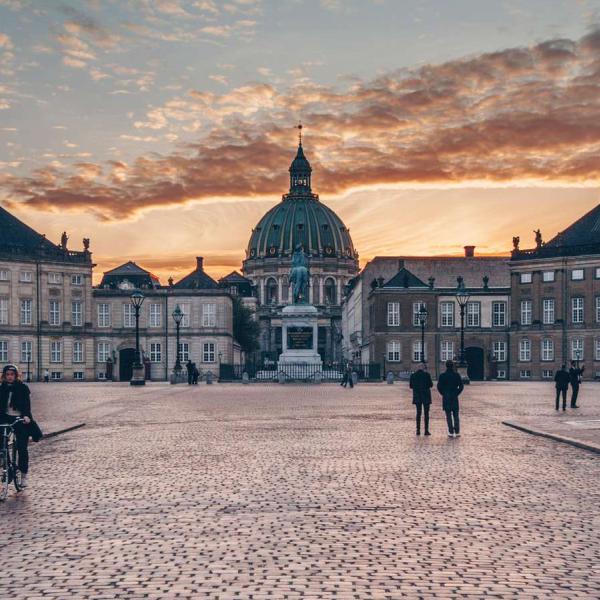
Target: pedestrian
<point>195,374</point>
<point>561,381</point>
<point>15,402</point>
<point>575,374</point>
<point>450,386</point>
<point>350,375</point>
<point>46,376</point>
<point>190,371</point>
<point>420,383</point>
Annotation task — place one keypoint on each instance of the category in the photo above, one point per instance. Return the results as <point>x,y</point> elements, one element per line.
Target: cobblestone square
<point>267,491</point>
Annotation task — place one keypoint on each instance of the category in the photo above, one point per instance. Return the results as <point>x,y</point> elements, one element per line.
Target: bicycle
<point>9,471</point>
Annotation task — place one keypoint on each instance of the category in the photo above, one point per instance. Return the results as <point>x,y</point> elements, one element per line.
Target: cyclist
<point>15,402</point>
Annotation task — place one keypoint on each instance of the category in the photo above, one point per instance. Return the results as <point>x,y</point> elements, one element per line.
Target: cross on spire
<point>299,128</point>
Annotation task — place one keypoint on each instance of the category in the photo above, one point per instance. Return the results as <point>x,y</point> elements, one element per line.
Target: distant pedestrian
<point>561,381</point>
<point>46,376</point>
<point>190,371</point>
<point>450,386</point>
<point>195,374</point>
<point>347,376</point>
<point>420,383</point>
<point>575,374</point>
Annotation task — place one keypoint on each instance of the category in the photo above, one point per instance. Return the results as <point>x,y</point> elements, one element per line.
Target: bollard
<point>245,378</point>
<point>281,377</point>
<point>354,377</point>
<point>209,378</point>
<point>390,378</point>
<point>318,378</point>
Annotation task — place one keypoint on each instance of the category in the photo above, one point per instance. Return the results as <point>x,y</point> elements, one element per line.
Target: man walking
<point>561,380</point>
<point>450,386</point>
<point>575,374</point>
<point>420,383</point>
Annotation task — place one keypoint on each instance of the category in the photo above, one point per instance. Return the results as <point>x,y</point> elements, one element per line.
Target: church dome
<point>300,218</point>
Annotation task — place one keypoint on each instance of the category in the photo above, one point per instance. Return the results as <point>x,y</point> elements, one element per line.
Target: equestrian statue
<point>299,276</point>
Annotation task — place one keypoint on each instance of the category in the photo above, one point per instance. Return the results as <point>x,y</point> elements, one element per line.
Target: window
<point>548,311</point>
<point>394,352</point>
<point>26,352</point>
<point>577,310</point>
<point>447,314</point>
<point>78,351</point>
<point>525,374</point>
<point>103,315</point>
<point>271,291</point>
<point>55,352</point>
<point>417,313</point>
<point>184,351</point>
<point>499,351</point>
<point>54,313</point>
<point>3,311</point>
<point>597,310</point>
<point>155,315</point>
<point>446,351</point>
<point>26,277</point>
<point>547,373</point>
<point>393,314</point>
<point>128,315</point>
<point>209,315</point>
<point>78,375</point>
<point>501,374</point>
<point>548,276</point>
<point>4,275</point>
<point>185,309</point>
<point>547,349</point>
<point>473,314</point>
<point>577,274</point>
<point>526,312</point>
<point>103,351</point>
<point>54,278</point>
<point>26,311</point>
<point>597,272</point>
<point>56,375</point>
<point>77,279</point>
<point>498,314</point>
<point>577,349</point>
<point>526,277</point>
<point>525,350</point>
<point>208,352</point>
<point>3,351</point>
<point>155,352</point>
<point>417,355</point>
<point>596,348</point>
<point>330,291</point>
<point>76,314</point>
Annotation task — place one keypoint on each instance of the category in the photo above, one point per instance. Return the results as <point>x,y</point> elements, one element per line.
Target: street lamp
<point>422,322</point>
<point>462,297</point>
<point>177,317</point>
<point>138,375</point>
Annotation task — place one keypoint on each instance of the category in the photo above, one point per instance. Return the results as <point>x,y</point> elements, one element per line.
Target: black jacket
<point>575,374</point>
<point>420,383</point>
<point>450,386</point>
<point>561,379</point>
<point>21,402</point>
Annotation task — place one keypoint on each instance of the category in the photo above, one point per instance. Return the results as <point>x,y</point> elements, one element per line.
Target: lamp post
<point>422,322</point>
<point>138,375</point>
<point>177,317</point>
<point>462,297</point>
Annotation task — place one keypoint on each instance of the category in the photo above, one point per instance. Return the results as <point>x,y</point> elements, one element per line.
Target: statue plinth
<point>299,331</point>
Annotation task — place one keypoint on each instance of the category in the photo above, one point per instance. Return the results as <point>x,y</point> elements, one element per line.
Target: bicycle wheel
<point>14,470</point>
<point>4,475</point>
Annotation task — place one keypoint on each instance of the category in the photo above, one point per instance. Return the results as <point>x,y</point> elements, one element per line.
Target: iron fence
<point>271,371</point>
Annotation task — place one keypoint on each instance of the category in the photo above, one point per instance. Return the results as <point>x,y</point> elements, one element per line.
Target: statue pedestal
<point>299,330</point>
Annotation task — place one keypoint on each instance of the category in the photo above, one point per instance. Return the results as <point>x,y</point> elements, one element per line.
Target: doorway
<point>475,363</point>
<point>126,360</point>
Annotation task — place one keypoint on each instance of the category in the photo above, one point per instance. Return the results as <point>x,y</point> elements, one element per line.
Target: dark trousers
<point>21,441</point>
<point>453,420</point>
<point>190,377</point>
<point>574,394</point>
<point>424,410</point>
<point>562,391</point>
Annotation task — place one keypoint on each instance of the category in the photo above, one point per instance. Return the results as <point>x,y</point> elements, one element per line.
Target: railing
<point>552,251</point>
<point>297,372</point>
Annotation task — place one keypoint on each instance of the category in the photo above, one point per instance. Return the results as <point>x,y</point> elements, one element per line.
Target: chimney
<point>199,261</point>
<point>469,251</point>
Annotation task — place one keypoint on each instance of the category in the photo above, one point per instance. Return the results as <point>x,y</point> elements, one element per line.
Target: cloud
<point>519,114</point>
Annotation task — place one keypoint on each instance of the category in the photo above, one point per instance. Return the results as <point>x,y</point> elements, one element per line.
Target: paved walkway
<point>231,491</point>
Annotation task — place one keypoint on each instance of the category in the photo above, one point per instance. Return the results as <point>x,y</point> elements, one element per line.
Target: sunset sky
<point>163,129</point>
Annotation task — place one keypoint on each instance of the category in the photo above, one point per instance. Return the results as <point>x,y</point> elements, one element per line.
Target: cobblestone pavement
<point>230,491</point>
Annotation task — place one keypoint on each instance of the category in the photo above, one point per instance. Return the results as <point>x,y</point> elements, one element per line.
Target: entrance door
<point>126,360</point>
<point>475,367</point>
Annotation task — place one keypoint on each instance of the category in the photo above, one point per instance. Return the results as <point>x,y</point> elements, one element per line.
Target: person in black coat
<point>420,383</point>
<point>561,381</point>
<point>15,402</point>
<point>450,386</point>
<point>575,374</point>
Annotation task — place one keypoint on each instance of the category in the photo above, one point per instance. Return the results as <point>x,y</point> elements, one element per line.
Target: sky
<point>163,129</point>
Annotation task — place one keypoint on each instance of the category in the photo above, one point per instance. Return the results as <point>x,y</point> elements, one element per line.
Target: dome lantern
<point>300,170</point>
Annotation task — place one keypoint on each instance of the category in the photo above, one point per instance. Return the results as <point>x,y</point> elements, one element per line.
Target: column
<point>262,290</point>
<point>321,299</point>
<point>280,289</point>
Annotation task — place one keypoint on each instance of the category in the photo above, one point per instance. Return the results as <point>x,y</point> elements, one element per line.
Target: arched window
<point>271,291</point>
<point>285,290</point>
<point>330,291</point>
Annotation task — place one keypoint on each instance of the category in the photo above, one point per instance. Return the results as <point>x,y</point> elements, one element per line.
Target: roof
<point>197,279</point>
<point>405,279</point>
<point>132,273</point>
<point>234,277</point>
<point>585,230</point>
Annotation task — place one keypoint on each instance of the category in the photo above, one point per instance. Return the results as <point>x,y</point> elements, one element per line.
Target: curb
<point>555,437</point>
<point>60,431</point>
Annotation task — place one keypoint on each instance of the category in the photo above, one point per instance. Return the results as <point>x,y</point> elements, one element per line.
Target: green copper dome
<point>300,218</point>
